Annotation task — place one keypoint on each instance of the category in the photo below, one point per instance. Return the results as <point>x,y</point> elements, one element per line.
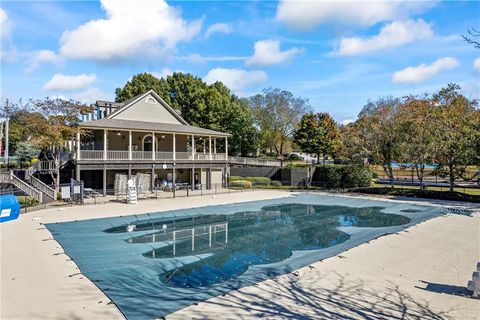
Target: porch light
<point>119,133</point>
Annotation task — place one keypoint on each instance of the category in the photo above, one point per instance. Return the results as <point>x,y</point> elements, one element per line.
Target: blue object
<point>9,208</point>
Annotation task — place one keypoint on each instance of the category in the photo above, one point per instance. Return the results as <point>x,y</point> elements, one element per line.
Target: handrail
<point>25,187</point>
<point>41,186</point>
<point>254,161</point>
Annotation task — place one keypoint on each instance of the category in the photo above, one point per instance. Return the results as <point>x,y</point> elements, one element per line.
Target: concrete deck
<point>419,273</point>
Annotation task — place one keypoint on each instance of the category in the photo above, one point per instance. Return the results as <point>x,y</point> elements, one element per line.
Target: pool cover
<point>153,264</point>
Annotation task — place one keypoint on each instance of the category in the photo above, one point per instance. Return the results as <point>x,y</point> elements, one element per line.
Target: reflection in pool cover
<point>154,264</point>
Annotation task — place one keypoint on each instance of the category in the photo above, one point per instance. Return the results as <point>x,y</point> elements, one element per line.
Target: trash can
<point>9,208</point>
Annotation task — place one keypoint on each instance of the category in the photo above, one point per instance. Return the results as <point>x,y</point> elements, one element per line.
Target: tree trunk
<point>387,168</point>
<point>452,177</point>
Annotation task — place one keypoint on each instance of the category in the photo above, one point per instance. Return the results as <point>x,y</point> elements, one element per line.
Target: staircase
<point>33,186</point>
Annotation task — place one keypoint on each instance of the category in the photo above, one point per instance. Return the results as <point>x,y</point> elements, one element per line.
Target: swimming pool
<point>153,264</point>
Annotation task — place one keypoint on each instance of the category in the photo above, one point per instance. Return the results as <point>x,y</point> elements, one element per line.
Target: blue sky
<point>337,54</point>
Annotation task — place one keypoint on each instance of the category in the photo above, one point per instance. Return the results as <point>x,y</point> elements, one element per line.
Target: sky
<point>338,54</point>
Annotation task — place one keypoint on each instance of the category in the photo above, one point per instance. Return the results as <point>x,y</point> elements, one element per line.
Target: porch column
<point>78,144</point>
<point>153,146</point>
<point>105,137</point>
<point>192,184</point>
<point>104,180</point>
<point>210,148</point>
<point>174,148</point>
<point>226,148</point>
<point>152,180</point>
<point>129,145</point>
<point>204,147</point>
<point>193,147</point>
<point>214,145</point>
<point>77,172</point>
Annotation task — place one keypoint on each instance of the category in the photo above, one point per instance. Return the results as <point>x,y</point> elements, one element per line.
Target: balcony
<point>100,155</point>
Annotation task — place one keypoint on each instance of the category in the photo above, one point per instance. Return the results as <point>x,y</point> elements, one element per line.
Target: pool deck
<point>419,272</point>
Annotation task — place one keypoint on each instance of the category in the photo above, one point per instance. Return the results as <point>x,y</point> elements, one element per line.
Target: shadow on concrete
<point>344,300</point>
<point>446,289</point>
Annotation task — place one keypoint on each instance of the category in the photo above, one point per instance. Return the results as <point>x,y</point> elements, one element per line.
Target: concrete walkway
<point>418,273</point>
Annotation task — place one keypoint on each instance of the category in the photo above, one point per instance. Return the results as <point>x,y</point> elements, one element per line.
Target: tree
<point>54,128</point>
<point>26,151</point>
<point>417,142</point>
<point>473,35</point>
<point>317,134</point>
<point>456,131</point>
<point>139,84</point>
<point>277,114</point>
<point>377,130</point>
<point>207,106</point>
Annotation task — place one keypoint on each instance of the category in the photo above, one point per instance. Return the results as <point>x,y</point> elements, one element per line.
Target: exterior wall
<point>217,177</point>
<point>120,142</point>
<point>143,111</point>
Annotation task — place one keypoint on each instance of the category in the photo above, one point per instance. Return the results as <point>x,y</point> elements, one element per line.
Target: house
<point>145,135</point>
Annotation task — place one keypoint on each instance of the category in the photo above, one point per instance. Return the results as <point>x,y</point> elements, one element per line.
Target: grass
<point>468,191</point>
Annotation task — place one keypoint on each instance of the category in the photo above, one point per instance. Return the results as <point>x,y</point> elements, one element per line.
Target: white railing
<point>147,155</point>
<point>182,155</point>
<point>39,185</point>
<point>163,155</point>
<point>91,154</point>
<point>142,155</point>
<point>117,155</point>
<point>25,187</point>
<point>254,161</point>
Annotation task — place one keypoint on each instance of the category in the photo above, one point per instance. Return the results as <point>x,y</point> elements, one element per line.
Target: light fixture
<point>163,136</point>
<point>119,133</point>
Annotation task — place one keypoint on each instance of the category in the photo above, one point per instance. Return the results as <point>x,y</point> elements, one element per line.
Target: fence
<point>26,201</point>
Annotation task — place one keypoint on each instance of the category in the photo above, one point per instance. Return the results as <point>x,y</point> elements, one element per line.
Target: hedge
<point>342,176</point>
<point>245,184</point>
<point>253,180</point>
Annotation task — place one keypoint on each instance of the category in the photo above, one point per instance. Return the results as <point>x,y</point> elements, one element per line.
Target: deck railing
<point>254,161</point>
<point>146,155</point>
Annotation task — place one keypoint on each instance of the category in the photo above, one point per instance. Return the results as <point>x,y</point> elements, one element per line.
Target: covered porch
<point>129,145</point>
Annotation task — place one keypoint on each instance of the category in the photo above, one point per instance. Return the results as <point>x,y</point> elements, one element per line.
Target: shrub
<point>294,157</point>
<point>356,176</point>
<point>233,178</point>
<point>244,184</point>
<point>342,176</point>
<point>259,180</point>
<point>276,183</point>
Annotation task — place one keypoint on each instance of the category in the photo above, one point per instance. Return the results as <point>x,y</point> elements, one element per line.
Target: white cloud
<point>164,73</point>
<point>476,65</point>
<point>347,121</point>
<point>5,24</point>
<point>392,35</point>
<point>130,29</point>
<point>424,71</point>
<point>307,14</point>
<point>218,28</point>
<point>236,79</point>
<point>61,82</point>
<point>43,56</point>
<point>91,95</point>
<point>8,51</point>
<point>268,52</point>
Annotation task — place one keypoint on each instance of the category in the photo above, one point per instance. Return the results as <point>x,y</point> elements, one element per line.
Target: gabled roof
<point>121,124</point>
<point>130,102</point>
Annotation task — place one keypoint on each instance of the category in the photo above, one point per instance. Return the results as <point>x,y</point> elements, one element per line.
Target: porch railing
<point>147,155</point>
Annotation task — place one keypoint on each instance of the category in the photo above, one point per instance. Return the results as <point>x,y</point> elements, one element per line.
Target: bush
<point>294,157</point>
<point>244,184</point>
<point>233,178</point>
<point>342,176</point>
<point>259,180</point>
<point>276,183</point>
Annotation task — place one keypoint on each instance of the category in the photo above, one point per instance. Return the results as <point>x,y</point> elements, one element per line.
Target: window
<point>151,100</point>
